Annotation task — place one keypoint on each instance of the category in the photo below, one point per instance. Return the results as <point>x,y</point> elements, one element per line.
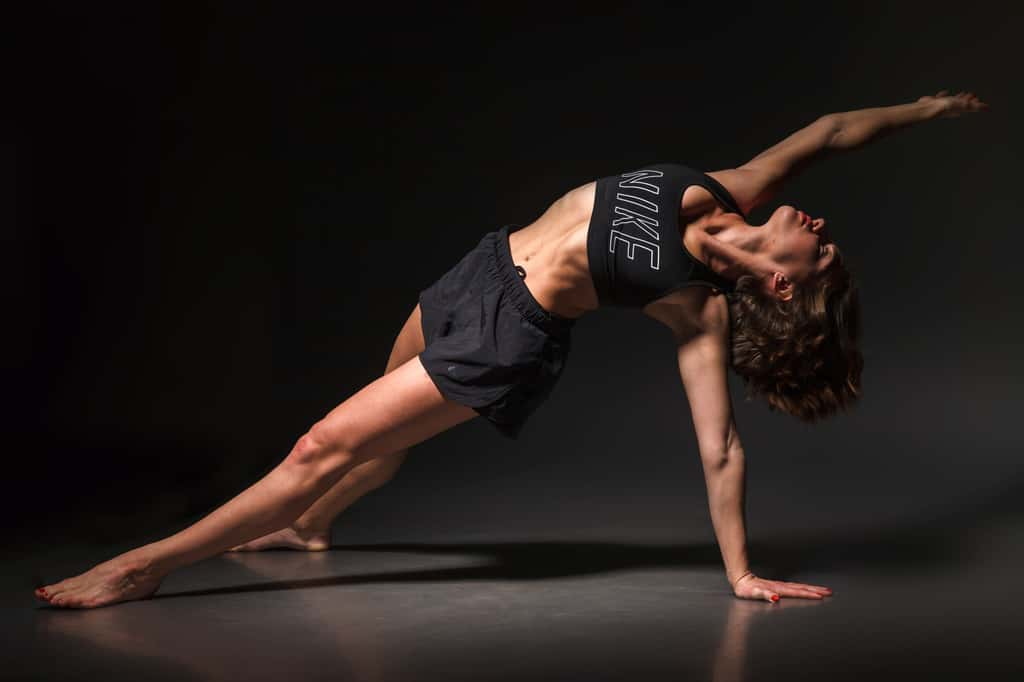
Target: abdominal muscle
<point>553,252</point>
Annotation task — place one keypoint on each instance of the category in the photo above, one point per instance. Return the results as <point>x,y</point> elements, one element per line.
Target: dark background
<point>224,214</point>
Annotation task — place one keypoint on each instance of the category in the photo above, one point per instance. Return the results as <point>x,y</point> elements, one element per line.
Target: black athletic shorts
<point>489,344</point>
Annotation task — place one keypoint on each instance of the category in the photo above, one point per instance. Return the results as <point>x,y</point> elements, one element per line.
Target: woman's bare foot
<point>123,578</point>
<point>289,538</point>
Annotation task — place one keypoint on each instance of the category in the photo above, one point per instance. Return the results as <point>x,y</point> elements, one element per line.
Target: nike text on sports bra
<point>634,243</point>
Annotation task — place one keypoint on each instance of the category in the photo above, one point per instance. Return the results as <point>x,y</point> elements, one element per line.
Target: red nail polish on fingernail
<point>775,597</point>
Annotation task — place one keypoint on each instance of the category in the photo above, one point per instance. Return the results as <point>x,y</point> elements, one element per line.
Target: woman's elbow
<point>716,459</point>
<point>830,125</point>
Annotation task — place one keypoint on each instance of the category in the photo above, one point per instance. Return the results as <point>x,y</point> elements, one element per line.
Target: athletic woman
<point>491,336</point>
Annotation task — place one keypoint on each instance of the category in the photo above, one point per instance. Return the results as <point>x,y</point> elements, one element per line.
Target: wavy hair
<point>801,355</point>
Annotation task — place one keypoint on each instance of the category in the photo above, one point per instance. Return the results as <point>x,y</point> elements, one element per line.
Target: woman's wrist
<point>742,576</point>
<point>932,108</point>
<point>899,115</point>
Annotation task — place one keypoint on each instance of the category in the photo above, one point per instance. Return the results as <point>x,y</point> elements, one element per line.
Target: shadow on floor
<point>941,540</point>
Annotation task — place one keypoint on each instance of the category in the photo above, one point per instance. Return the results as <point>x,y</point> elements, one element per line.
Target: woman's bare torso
<point>553,251</point>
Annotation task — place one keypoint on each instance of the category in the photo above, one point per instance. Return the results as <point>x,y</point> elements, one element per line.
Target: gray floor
<point>936,600</point>
<point>578,555</point>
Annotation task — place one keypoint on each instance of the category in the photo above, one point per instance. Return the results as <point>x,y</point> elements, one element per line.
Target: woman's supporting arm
<point>725,478</point>
<point>702,367</point>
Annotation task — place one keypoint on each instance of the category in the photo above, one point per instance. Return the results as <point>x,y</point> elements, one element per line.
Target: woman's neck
<point>733,248</point>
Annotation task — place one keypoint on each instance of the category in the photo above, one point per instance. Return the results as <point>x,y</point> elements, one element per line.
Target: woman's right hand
<point>955,105</point>
<point>749,586</point>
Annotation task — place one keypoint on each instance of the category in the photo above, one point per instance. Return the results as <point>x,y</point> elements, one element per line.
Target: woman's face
<point>799,244</point>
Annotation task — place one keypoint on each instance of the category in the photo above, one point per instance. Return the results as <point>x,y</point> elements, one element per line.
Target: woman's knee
<point>321,453</point>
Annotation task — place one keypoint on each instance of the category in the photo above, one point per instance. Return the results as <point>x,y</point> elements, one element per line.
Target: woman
<point>491,336</point>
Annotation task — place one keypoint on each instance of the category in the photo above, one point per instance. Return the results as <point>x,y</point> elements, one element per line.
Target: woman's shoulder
<point>692,311</point>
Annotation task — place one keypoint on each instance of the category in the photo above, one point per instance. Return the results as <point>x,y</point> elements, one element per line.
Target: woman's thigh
<point>408,345</point>
<point>398,410</point>
<point>410,341</point>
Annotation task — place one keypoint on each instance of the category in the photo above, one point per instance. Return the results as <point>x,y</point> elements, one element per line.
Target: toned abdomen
<point>553,251</point>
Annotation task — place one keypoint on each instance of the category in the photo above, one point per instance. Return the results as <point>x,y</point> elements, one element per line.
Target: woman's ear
<point>780,286</point>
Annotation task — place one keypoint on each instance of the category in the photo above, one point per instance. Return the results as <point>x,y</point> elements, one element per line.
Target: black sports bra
<point>634,244</point>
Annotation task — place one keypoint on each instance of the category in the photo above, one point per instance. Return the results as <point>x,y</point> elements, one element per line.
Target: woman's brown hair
<point>800,354</point>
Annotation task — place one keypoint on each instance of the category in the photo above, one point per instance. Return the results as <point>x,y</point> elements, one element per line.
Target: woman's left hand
<point>750,586</point>
<point>953,106</point>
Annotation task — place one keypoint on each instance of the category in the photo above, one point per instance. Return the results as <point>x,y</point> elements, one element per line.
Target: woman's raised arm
<point>856,128</point>
<point>756,181</point>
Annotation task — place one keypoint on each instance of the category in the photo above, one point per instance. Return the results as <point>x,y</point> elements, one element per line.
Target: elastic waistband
<point>520,294</point>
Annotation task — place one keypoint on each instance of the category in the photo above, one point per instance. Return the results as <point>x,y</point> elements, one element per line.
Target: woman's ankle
<point>310,527</point>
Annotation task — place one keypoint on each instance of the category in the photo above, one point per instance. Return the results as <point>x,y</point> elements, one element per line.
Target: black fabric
<point>489,344</point>
<point>634,244</point>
